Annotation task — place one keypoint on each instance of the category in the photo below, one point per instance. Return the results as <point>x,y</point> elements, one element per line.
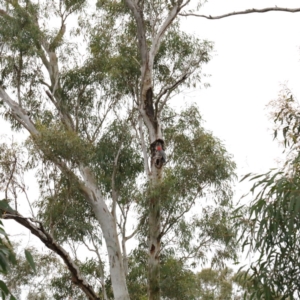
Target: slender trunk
<point>125,257</point>
<point>94,197</point>
<point>125,238</point>
<point>151,119</point>
<point>149,111</point>
<point>154,225</point>
<point>154,245</point>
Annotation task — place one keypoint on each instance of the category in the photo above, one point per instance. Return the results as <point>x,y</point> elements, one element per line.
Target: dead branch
<point>243,12</point>
<point>18,112</point>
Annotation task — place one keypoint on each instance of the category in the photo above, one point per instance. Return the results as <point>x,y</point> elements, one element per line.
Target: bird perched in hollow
<point>161,153</point>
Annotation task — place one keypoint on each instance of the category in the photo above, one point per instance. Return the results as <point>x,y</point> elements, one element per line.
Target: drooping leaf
<point>30,260</point>
<point>3,287</point>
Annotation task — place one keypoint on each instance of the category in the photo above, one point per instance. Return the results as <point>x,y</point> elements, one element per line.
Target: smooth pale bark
<point>96,200</point>
<point>19,113</point>
<point>108,226</point>
<point>150,115</point>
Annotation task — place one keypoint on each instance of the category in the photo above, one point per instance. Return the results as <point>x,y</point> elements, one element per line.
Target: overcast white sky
<point>254,54</point>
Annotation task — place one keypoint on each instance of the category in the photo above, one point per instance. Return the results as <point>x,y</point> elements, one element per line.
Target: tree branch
<point>102,278</point>
<point>114,192</point>
<point>102,119</point>
<point>141,34</point>
<point>171,221</point>
<point>167,90</point>
<point>10,178</point>
<point>143,144</point>
<point>160,34</point>
<point>19,113</point>
<point>134,232</point>
<point>65,117</point>
<point>49,242</point>
<point>58,38</point>
<point>244,12</point>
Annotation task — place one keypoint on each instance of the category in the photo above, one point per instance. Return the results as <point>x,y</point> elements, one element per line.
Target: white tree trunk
<point>108,226</point>
<point>96,200</point>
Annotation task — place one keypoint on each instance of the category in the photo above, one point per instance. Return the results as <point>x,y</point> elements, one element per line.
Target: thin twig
<point>243,12</point>
<point>10,178</point>
<point>143,143</point>
<point>113,185</point>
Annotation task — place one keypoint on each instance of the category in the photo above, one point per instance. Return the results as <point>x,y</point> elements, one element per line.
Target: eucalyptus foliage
<point>272,227</point>
<point>8,259</point>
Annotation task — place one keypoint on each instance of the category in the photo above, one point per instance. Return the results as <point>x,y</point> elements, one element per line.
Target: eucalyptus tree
<point>68,70</point>
<point>63,102</point>
<point>272,226</point>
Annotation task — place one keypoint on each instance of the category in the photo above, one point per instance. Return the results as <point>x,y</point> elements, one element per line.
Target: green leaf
<point>297,208</point>
<point>2,231</point>
<point>3,263</point>
<point>258,176</point>
<point>3,287</point>
<point>29,258</point>
<point>284,131</point>
<point>12,297</point>
<point>12,258</point>
<point>246,176</point>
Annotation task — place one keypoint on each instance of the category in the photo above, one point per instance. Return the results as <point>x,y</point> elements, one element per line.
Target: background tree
<point>272,228</point>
